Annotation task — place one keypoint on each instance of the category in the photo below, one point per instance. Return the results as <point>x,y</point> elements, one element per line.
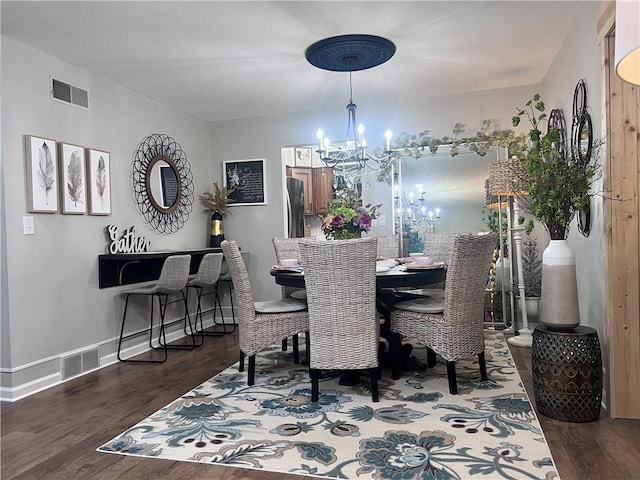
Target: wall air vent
<point>78,363</point>
<point>69,94</point>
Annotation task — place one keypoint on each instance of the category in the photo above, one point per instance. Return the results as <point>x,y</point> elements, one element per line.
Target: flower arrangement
<point>218,201</point>
<point>346,217</point>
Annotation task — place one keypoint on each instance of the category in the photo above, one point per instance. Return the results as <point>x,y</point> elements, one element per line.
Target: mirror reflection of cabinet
<point>322,189</point>
<point>305,175</point>
<point>318,188</point>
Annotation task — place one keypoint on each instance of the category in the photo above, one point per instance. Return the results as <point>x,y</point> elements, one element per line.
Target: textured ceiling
<point>229,60</point>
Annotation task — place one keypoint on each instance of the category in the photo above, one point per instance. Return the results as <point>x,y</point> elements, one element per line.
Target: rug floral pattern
<point>417,430</point>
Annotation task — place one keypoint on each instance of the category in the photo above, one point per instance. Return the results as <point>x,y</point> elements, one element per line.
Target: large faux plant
<point>531,269</point>
<point>558,187</point>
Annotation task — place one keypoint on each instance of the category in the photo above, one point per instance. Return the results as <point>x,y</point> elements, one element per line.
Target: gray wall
<point>50,302</point>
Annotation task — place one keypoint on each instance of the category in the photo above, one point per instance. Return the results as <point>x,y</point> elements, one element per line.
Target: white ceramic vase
<point>559,301</point>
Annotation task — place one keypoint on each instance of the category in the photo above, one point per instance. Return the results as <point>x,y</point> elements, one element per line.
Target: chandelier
<point>350,53</point>
<point>412,210</point>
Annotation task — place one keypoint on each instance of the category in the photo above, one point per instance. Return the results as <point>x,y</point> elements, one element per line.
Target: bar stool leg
<point>122,336</point>
<point>163,309</point>
<point>201,330</point>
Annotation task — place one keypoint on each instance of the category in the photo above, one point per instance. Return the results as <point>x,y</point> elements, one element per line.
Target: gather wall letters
<point>127,242</point>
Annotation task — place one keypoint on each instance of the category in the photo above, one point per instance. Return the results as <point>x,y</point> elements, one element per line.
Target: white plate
<point>417,266</point>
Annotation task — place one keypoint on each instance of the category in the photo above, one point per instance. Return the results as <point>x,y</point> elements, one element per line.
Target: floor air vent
<point>78,363</point>
<point>66,93</point>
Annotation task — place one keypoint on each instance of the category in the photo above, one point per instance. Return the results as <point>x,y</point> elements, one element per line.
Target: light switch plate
<point>28,226</point>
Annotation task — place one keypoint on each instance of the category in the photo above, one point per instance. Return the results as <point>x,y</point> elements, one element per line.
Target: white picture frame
<point>98,182</point>
<point>41,174</point>
<point>72,180</point>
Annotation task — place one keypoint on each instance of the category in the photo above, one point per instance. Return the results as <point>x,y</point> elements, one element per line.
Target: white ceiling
<point>236,59</point>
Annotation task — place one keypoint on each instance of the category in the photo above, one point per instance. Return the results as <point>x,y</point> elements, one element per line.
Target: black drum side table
<point>567,373</point>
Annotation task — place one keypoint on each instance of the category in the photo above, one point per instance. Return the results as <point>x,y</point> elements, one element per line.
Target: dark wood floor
<point>53,435</point>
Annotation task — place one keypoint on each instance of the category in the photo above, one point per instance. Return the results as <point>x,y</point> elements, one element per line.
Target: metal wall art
<point>582,145</point>
<point>162,183</point>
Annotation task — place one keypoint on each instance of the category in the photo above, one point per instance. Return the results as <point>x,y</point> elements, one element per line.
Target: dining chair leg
<point>241,366</point>
<point>285,343</point>
<point>394,352</point>
<point>251,373</point>
<point>307,347</point>
<point>451,374</point>
<point>483,367</point>
<point>314,373</point>
<point>373,373</point>
<point>431,358</point>
<point>296,350</point>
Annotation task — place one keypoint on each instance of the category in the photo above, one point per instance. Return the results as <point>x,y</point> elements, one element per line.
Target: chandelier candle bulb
<point>388,135</point>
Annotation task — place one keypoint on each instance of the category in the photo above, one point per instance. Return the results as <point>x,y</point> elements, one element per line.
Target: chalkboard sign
<point>247,180</point>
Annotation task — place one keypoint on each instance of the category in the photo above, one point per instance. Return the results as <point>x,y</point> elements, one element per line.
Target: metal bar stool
<point>207,277</point>
<point>173,278</point>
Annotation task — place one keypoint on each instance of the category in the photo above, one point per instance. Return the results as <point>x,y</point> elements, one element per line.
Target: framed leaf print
<point>42,174</point>
<point>98,182</point>
<point>73,193</point>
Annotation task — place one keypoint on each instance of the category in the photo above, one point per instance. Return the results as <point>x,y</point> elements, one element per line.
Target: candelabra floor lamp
<point>508,178</point>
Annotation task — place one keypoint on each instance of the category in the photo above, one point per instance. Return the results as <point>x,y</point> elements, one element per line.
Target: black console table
<point>127,268</point>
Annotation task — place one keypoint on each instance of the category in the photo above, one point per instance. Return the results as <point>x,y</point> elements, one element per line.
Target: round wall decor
<point>162,183</point>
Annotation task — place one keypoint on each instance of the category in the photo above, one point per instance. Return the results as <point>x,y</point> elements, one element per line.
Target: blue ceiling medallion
<point>350,53</point>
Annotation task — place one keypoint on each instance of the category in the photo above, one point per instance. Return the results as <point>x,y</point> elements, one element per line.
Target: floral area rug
<point>417,430</point>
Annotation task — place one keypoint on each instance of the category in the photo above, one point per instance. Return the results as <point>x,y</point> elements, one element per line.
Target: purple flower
<point>338,220</point>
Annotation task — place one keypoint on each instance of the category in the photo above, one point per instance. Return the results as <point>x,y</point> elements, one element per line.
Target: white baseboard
<point>12,394</point>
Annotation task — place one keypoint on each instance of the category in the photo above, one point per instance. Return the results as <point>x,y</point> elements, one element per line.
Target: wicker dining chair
<point>439,247</point>
<point>388,246</point>
<point>225,277</point>
<point>172,280</point>
<point>453,328</point>
<point>289,248</point>
<point>261,324</point>
<point>206,278</point>
<point>340,276</point>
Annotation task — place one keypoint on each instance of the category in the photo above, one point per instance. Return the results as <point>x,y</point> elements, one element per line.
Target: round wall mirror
<point>164,186</point>
<point>162,183</point>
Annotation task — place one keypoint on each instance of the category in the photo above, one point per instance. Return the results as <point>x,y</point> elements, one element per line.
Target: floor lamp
<point>508,178</point>
<point>493,202</point>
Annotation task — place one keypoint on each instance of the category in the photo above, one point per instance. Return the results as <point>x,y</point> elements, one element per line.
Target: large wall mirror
<point>162,183</point>
<point>452,184</point>
<point>450,187</point>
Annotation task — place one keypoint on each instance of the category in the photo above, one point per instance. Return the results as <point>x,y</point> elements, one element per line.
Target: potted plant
<point>557,188</point>
<point>218,204</point>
